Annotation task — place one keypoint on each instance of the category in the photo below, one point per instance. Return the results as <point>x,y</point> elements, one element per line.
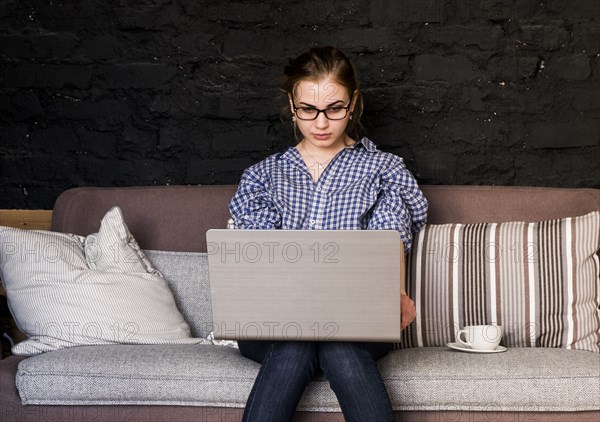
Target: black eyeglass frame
<point>319,111</point>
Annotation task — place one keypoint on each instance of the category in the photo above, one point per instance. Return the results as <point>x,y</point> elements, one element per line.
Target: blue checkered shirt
<point>361,188</point>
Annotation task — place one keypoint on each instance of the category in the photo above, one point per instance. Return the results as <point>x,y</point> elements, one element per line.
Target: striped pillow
<point>539,281</point>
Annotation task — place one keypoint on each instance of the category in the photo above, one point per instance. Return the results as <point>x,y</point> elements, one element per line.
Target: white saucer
<point>457,346</point>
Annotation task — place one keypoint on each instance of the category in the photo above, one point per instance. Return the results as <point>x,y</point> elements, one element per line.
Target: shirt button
<point>318,188</point>
<point>312,222</point>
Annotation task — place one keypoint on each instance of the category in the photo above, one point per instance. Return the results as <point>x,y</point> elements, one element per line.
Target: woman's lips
<point>322,136</point>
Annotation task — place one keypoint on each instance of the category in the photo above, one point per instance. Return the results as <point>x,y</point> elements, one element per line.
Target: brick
<point>446,68</point>
<point>57,140</point>
<point>574,68</point>
<point>12,194</point>
<point>53,45</point>
<point>193,46</point>
<point>15,167</point>
<point>73,16</point>
<point>512,69</point>
<point>121,172</point>
<point>8,9</point>
<point>220,171</point>
<point>484,169</point>
<point>143,171</point>
<point>385,99</point>
<point>98,171</point>
<point>435,166</point>
<point>302,14</point>
<point>535,100</point>
<point>177,137</point>
<point>484,38</point>
<point>583,100</point>
<point>390,11</point>
<point>25,105</point>
<point>96,143</point>
<point>492,97</point>
<point>549,168</point>
<point>422,98</point>
<point>55,166</point>
<point>388,68</point>
<point>241,136</point>
<point>184,104</point>
<point>101,47</point>
<point>570,99</point>
<point>137,141</point>
<point>493,132</point>
<point>26,75</point>
<point>104,114</point>
<point>238,42</point>
<point>467,12</point>
<point>215,78</point>
<point>574,9</point>
<point>564,135</point>
<point>365,39</point>
<point>254,105</point>
<point>192,8</point>
<point>13,139</point>
<point>149,17</point>
<point>134,75</point>
<point>586,38</point>
<point>14,46</point>
<point>239,12</point>
<point>540,37</point>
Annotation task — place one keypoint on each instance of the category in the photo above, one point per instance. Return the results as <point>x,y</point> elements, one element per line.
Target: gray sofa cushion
<point>187,277</point>
<point>430,378</point>
<point>520,379</point>
<point>201,375</point>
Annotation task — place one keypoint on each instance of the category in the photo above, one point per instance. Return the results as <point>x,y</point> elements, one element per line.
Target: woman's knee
<point>294,355</point>
<point>254,349</point>
<point>344,358</point>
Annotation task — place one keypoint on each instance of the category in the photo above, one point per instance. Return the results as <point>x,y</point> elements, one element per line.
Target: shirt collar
<point>292,154</point>
<point>367,143</point>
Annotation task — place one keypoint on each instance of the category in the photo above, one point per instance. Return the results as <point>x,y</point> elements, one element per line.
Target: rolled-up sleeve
<point>400,205</point>
<point>252,206</point>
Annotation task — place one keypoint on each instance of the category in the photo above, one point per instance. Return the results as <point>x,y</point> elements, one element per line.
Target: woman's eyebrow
<point>335,102</point>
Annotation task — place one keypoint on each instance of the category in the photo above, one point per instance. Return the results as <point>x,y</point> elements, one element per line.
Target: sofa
<point>210,382</point>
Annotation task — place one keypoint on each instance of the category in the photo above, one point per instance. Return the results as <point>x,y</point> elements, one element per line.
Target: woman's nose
<point>322,121</point>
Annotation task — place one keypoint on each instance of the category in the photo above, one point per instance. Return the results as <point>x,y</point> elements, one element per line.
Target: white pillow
<point>66,290</point>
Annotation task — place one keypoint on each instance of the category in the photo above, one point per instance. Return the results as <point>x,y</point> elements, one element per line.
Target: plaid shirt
<point>362,188</point>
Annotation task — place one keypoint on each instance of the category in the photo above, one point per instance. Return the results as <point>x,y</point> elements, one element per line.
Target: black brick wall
<point>119,93</point>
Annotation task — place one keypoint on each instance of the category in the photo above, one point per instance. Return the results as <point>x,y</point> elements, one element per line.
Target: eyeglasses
<point>332,113</point>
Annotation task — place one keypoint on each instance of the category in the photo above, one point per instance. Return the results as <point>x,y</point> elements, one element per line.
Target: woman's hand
<point>407,307</point>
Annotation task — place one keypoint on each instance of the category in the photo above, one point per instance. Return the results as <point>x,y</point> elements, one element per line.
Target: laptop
<point>312,285</point>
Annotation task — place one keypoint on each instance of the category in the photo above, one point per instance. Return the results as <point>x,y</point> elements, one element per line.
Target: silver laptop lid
<point>322,285</point>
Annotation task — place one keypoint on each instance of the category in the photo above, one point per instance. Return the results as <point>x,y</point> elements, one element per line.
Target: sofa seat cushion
<point>429,378</point>
<point>187,375</point>
<point>520,379</point>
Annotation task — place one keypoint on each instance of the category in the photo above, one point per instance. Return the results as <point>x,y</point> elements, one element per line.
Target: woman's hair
<point>316,64</point>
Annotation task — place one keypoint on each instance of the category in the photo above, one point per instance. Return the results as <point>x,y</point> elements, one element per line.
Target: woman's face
<point>323,94</point>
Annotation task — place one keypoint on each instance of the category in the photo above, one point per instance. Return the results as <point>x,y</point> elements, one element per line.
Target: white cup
<point>480,337</point>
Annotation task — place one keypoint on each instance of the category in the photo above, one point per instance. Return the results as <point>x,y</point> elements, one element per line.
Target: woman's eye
<point>308,109</point>
<point>335,108</point>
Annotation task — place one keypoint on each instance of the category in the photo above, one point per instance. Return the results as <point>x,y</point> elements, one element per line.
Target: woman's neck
<point>325,152</point>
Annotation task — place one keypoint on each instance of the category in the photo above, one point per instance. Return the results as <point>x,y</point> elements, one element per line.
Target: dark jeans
<point>289,366</point>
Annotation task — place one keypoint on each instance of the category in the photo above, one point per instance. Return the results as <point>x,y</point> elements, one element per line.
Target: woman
<point>327,181</point>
